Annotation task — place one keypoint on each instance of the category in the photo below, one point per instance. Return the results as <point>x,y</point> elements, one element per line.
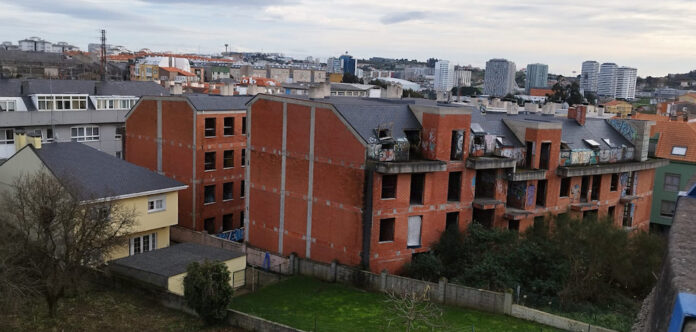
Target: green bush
<point>207,290</point>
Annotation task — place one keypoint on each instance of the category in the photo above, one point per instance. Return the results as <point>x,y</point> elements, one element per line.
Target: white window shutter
<point>414,231</point>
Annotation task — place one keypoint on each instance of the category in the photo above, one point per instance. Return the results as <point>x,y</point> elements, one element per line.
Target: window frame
<point>677,153</point>
<point>152,244</point>
<point>230,191</point>
<point>225,126</point>
<point>225,159</point>
<point>75,135</point>
<point>394,186</point>
<point>153,200</point>
<point>209,165</point>
<point>205,195</point>
<point>665,184</point>
<point>662,206</point>
<point>207,129</point>
<point>382,228</point>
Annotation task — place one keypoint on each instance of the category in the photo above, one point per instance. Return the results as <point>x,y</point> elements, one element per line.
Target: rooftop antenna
<point>103,55</point>
<point>226,47</point>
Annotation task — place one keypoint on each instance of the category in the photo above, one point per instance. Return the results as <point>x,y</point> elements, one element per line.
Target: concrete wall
<point>236,266</point>
<point>553,320</point>
<point>253,323</point>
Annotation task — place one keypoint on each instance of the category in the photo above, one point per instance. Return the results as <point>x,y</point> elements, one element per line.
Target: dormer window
<point>592,143</point>
<point>679,150</point>
<point>61,102</point>
<point>608,141</point>
<point>383,133</point>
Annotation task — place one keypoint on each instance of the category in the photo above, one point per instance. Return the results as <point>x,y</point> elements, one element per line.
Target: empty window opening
<point>414,231</point>
<point>244,126</point>
<point>596,187</point>
<point>611,212</point>
<point>565,187</point>
<point>209,164</point>
<point>417,186</point>
<point>209,194</point>
<point>389,186</point>
<point>228,159</point>
<point>209,224</point>
<point>452,221</point>
<point>484,217</point>
<point>584,187</point>
<point>529,155</point>
<point>457,147</point>
<point>454,186</point>
<point>386,230</point>
<point>614,186</point>
<point>210,127</point>
<point>485,185</point>
<point>591,214</point>
<point>228,126</point>
<point>227,191</point>
<point>545,155</point>
<point>228,222</point>
<point>541,193</point>
<point>514,225</point>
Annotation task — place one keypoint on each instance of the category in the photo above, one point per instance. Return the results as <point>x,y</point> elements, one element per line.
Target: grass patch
<point>101,310</point>
<point>619,316</point>
<point>312,305</point>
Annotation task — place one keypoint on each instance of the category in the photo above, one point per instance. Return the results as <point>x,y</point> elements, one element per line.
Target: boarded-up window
<point>414,231</point>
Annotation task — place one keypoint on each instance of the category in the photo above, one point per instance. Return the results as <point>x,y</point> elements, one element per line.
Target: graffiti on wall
<point>517,192</point>
<point>429,143</point>
<point>530,195</point>
<point>624,128</point>
<point>458,144</point>
<point>489,143</point>
<point>514,153</point>
<point>575,193</point>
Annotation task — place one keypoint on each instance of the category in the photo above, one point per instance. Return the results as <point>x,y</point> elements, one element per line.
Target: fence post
<point>383,281</point>
<point>441,289</point>
<point>291,264</point>
<point>507,303</point>
<point>332,271</point>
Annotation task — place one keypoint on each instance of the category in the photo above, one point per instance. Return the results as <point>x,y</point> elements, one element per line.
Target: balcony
<point>526,174</point>
<point>570,171</point>
<point>516,214</point>
<point>405,167</point>
<point>486,203</point>
<point>584,206</point>
<point>490,162</point>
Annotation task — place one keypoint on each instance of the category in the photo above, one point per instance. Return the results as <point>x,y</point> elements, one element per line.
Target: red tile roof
<point>540,92</point>
<point>672,134</point>
<point>176,70</point>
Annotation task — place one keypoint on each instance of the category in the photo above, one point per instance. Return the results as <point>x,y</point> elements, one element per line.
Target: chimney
<point>226,90</point>
<point>580,114</point>
<point>320,91</point>
<point>600,110</point>
<point>252,90</point>
<point>511,108</point>
<point>176,89</point>
<point>572,113</point>
<point>22,140</point>
<point>394,91</point>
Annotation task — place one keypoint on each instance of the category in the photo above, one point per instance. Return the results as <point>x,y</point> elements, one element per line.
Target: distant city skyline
<point>653,37</point>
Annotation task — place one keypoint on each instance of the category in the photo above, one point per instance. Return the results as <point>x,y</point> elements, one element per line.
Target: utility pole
<point>226,48</point>
<point>103,55</point>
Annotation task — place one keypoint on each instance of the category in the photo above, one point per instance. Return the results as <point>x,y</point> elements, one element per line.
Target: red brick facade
<point>183,148</point>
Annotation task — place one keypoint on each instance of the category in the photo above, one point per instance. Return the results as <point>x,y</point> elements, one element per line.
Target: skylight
<point>679,150</point>
<point>591,143</point>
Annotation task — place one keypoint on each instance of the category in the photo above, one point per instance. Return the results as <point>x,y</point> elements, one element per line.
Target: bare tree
<point>56,229</point>
<point>412,310</point>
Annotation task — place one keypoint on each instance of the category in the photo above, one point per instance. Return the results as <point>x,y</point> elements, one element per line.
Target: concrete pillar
<point>507,303</point>
<point>332,271</point>
<point>383,281</point>
<point>291,264</point>
<point>441,290</point>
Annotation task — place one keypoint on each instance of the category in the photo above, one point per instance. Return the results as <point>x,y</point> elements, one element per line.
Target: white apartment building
<point>626,82</point>
<point>499,79</point>
<point>589,76</point>
<point>444,76</point>
<point>606,85</point>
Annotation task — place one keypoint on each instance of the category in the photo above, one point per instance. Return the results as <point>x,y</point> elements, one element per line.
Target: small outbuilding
<point>166,268</point>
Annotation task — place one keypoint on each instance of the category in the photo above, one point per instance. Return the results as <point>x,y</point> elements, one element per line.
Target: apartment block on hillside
<point>372,182</point>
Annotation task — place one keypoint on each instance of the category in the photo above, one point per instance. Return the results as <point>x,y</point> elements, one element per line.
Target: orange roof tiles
<point>673,134</point>
<point>176,70</point>
<point>650,117</point>
<point>540,92</point>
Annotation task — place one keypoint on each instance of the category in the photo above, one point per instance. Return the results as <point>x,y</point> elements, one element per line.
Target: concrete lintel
<point>420,166</point>
<point>490,162</point>
<point>610,168</point>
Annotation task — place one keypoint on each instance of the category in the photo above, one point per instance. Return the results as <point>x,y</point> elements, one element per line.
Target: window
<point>672,182</point>
<point>389,186</point>
<point>49,135</point>
<point>514,225</point>
<point>452,220</point>
<point>141,244</point>
<point>228,126</point>
<point>241,219</point>
<point>667,209</point>
<point>210,127</point>
<point>386,230</point>
<point>209,194</point>
<point>119,155</point>
<point>592,143</point>
<point>227,222</point>
<point>242,190</point>
<point>614,186</point>
<point>545,155</point>
<point>155,204</point>
<point>8,106</point>
<point>244,125</point>
<point>7,136</point>
<point>243,157</point>
<point>454,186</point>
<point>457,143</point>
<point>541,193</point>
<point>417,186</point>
<point>209,164</point>
<point>679,150</point>
<point>565,187</point>
<point>529,154</point>
<point>84,134</point>
<point>414,231</point>
<point>228,159</point>
<point>209,225</point>
<point>227,191</point>
<point>119,132</point>
<point>611,212</point>
<point>61,102</point>
<point>596,187</point>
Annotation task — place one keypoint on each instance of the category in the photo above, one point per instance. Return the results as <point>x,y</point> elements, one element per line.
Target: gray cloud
<point>403,17</point>
<point>74,9</point>
<point>227,3</point>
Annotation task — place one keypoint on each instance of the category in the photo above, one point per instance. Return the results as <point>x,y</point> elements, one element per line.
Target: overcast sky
<point>657,37</point>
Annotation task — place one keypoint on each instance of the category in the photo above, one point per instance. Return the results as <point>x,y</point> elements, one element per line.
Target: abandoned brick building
<point>199,140</point>
<point>372,182</point>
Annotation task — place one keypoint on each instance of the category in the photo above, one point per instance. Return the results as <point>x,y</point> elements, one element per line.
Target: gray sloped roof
<point>41,86</point>
<point>130,88</point>
<point>98,174</point>
<point>10,88</point>
<point>203,102</point>
<point>365,115</point>
<point>175,259</point>
<point>572,133</point>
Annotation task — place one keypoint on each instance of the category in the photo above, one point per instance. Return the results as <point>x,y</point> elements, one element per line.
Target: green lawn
<point>303,302</point>
<point>101,310</point>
